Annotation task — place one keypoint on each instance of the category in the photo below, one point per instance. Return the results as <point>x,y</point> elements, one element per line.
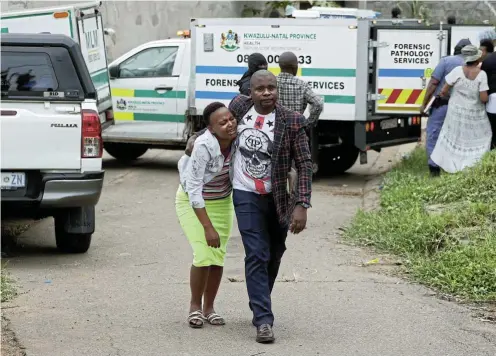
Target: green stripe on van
<point>154,94</point>
<point>100,79</point>
<point>339,99</point>
<point>327,72</point>
<point>159,117</point>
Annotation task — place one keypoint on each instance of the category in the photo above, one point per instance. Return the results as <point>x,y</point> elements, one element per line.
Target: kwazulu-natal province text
<point>280,36</point>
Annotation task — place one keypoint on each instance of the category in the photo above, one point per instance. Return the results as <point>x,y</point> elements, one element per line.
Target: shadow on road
<point>25,242</point>
<point>26,249</point>
<point>144,163</point>
<point>155,160</point>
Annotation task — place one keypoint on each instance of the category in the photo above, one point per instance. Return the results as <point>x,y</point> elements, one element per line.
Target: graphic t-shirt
<point>252,164</point>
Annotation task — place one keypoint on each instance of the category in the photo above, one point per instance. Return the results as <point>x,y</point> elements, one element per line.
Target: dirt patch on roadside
<point>10,230</point>
<point>10,344</point>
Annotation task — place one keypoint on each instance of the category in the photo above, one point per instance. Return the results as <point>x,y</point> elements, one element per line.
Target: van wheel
<point>337,160</point>
<point>70,243</point>
<point>125,151</point>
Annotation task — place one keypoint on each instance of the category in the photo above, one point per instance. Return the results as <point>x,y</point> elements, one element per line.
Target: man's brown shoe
<point>265,335</point>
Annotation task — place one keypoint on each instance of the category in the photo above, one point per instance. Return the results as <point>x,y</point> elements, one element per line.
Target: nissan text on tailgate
<point>51,143</point>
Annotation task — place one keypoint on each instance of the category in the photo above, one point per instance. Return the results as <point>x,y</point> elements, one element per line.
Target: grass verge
<point>8,290</point>
<point>444,228</point>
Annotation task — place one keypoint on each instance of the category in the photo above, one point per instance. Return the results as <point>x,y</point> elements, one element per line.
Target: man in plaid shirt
<point>294,93</point>
<point>270,137</point>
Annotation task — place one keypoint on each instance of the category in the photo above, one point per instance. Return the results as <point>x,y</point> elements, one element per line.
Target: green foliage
<point>415,9</point>
<point>444,228</point>
<point>8,290</point>
<point>325,3</point>
<point>249,11</point>
<point>276,5</point>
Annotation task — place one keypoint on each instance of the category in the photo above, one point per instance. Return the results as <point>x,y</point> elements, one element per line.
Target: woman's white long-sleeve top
<point>205,163</point>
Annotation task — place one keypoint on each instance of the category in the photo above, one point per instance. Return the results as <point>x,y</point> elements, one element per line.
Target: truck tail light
<point>369,126</point>
<point>91,144</point>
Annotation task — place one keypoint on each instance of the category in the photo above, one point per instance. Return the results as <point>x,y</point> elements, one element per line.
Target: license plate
<point>389,124</point>
<point>13,180</point>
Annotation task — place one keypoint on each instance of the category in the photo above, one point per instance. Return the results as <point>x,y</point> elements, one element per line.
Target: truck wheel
<point>70,243</point>
<point>74,228</point>
<point>337,159</point>
<point>125,151</point>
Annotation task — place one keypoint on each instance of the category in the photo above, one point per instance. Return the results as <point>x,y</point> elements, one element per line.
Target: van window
<point>27,72</point>
<point>149,63</point>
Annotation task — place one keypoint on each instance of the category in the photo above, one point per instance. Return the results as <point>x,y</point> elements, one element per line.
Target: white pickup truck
<point>372,79</point>
<point>51,144</point>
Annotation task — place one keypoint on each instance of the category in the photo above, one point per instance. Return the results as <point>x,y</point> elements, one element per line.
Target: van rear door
<point>41,109</point>
<point>92,42</point>
<point>404,59</point>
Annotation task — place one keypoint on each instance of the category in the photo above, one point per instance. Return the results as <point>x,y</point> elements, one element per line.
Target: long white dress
<point>466,133</point>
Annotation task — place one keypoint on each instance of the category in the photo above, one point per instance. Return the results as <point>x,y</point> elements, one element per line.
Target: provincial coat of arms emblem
<point>229,41</point>
<point>121,104</point>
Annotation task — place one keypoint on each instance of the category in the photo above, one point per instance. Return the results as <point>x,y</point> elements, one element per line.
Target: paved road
<point>129,295</point>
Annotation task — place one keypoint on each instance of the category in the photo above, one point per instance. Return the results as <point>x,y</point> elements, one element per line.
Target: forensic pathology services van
<point>372,75</point>
<point>84,24</point>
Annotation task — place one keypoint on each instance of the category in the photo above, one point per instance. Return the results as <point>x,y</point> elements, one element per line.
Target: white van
<point>81,22</point>
<point>372,75</point>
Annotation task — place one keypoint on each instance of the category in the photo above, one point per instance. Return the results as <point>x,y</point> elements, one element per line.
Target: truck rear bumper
<point>71,193</point>
<point>375,134</point>
<point>48,191</point>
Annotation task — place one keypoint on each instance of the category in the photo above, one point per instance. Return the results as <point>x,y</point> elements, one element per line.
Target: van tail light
<point>92,143</point>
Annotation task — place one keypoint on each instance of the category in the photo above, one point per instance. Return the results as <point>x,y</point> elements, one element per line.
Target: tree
<point>276,5</point>
<point>416,9</point>
<point>249,11</point>
<point>324,3</point>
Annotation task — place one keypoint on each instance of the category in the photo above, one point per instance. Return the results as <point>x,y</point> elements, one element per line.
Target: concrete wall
<point>465,11</point>
<point>137,22</point>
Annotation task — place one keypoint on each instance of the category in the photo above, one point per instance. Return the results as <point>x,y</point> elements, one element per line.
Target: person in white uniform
<point>466,133</point>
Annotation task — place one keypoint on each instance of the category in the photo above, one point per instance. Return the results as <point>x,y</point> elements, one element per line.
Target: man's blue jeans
<point>264,240</point>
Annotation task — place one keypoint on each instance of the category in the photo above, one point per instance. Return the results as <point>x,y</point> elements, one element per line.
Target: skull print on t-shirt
<point>252,165</point>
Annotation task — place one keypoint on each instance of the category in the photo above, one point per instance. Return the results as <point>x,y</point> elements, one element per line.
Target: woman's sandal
<point>215,319</point>
<point>195,319</point>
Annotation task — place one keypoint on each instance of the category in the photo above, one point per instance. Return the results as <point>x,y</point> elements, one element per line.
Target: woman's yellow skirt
<point>221,213</point>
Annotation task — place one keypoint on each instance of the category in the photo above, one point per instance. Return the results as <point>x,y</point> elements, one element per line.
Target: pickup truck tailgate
<point>38,135</point>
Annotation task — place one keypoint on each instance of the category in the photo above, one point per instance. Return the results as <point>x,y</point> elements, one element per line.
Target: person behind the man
<point>256,61</point>
<point>270,137</point>
<point>396,12</point>
<point>451,20</point>
<point>489,34</point>
<point>294,93</point>
<point>440,106</point>
<point>288,11</point>
<point>487,47</point>
<point>489,66</point>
